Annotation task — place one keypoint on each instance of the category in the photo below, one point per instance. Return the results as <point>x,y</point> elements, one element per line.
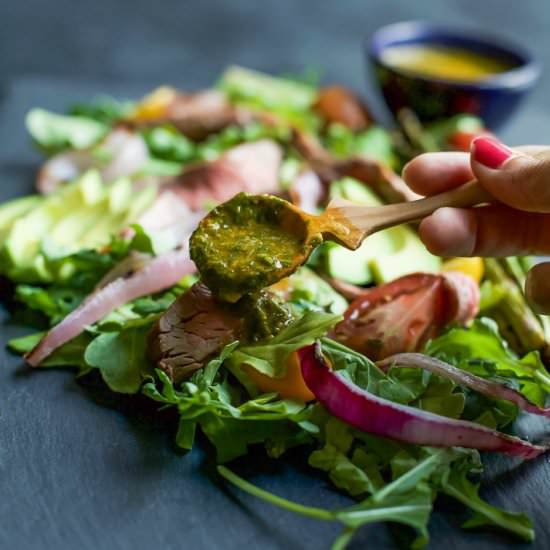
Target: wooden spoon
<point>349,224</point>
<point>343,222</point>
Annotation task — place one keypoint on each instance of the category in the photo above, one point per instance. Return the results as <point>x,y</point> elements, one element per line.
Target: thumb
<point>537,288</point>
<point>514,178</point>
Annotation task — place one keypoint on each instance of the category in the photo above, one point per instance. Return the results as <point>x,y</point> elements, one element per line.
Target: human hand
<point>518,224</point>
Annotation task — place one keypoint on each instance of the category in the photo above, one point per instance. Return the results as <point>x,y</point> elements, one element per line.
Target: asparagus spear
<point>518,267</point>
<point>517,322</point>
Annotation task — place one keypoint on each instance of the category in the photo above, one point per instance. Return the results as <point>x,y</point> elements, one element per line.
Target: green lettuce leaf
<point>54,133</point>
<point>375,142</point>
<point>291,100</point>
<point>265,90</point>
<point>166,143</point>
<point>269,357</point>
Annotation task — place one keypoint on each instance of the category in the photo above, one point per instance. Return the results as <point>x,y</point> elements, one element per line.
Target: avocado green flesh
<point>240,247</point>
<point>14,209</point>
<point>383,256</point>
<point>80,215</point>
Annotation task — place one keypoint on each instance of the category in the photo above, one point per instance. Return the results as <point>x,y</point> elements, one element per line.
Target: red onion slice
<point>160,273</point>
<point>463,378</point>
<point>378,416</point>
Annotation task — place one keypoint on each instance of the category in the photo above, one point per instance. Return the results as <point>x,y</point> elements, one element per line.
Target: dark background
<point>82,470</point>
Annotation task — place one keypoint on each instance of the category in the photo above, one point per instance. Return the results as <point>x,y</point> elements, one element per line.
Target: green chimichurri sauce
<point>263,314</point>
<point>240,246</point>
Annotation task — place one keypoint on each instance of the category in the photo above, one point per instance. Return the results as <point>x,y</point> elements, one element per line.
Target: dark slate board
<point>80,468</point>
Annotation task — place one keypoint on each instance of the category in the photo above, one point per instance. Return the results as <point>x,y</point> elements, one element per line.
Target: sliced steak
<point>250,167</point>
<point>191,332</point>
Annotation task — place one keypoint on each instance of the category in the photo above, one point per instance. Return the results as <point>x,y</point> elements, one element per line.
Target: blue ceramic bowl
<point>494,99</point>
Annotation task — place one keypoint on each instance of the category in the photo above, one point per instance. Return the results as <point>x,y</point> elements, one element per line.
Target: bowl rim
<point>521,77</point>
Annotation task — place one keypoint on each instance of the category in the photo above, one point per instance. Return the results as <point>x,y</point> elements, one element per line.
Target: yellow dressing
<point>444,62</point>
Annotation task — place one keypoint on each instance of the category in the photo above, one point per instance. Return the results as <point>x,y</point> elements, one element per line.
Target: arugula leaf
<point>439,396</point>
<point>55,302</point>
<point>232,437</point>
<point>459,487</point>
<point>407,386</point>
<point>76,275</point>
<point>309,291</point>
<point>412,508</point>
<point>406,500</point>
<point>24,344</point>
<point>70,354</point>
<point>228,419</point>
<point>356,476</point>
<point>58,299</point>
<point>269,357</point>
<point>149,305</point>
<point>343,473</point>
<point>53,132</point>
<point>121,358</point>
<point>480,350</point>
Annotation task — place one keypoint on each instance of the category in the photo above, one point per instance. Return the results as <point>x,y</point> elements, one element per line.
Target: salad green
<point>59,249</point>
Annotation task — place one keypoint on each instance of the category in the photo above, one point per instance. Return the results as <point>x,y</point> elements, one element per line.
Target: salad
<point>390,367</point>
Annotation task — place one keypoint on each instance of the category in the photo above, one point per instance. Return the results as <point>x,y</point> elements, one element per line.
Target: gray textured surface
<point>81,469</point>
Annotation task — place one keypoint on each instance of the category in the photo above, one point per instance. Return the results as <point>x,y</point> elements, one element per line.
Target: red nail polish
<point>490,152</point>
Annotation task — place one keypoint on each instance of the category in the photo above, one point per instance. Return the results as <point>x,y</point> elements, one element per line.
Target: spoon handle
<point>370,220</point>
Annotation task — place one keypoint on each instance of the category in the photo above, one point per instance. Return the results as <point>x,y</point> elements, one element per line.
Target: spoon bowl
<point>252,241</point>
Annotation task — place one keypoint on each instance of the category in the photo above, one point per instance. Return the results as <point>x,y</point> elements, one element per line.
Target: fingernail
<point>490,152</point>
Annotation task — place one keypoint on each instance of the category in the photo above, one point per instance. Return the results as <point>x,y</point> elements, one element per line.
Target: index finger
<point>433,173</point>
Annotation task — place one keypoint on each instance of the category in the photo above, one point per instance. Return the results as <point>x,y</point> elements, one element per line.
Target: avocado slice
<point>24,239</point>
<point>81,215</point>
<point>11,211</point>
<point>383,256</point>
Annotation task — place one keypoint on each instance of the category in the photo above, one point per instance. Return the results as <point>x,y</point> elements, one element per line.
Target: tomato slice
<point>403,315</point>
<point>462,141</point>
